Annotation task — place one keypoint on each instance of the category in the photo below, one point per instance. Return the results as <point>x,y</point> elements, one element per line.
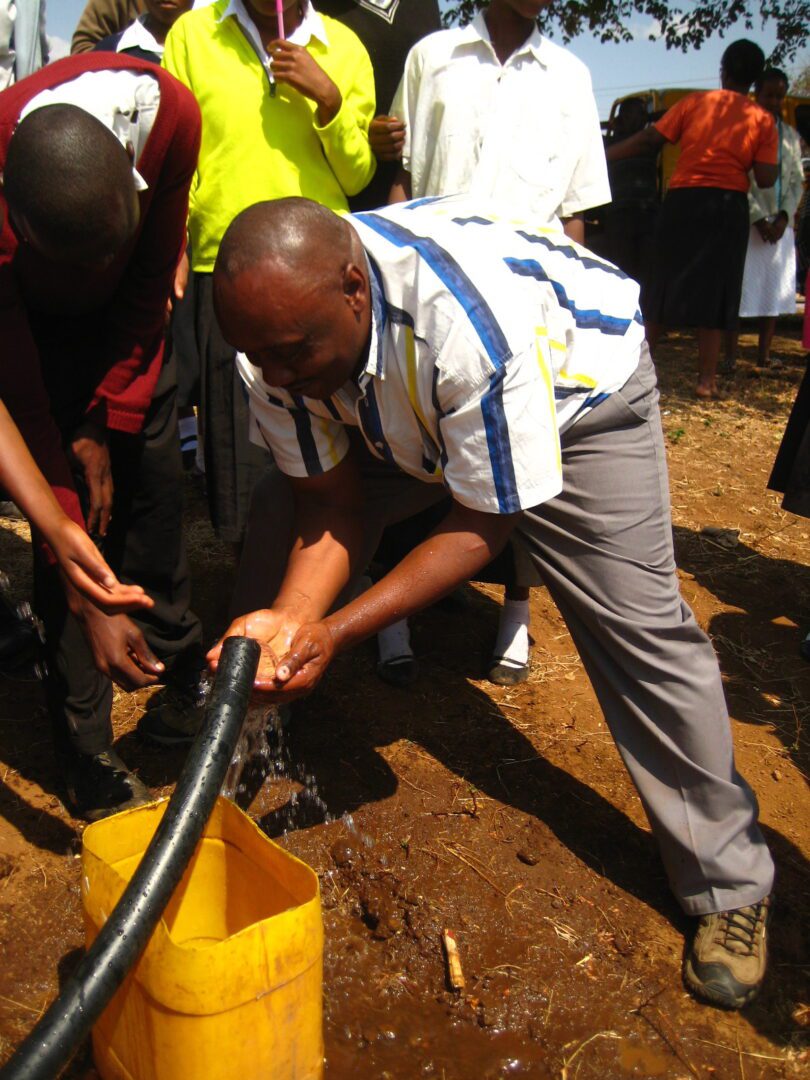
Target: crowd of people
<point>325,239</point>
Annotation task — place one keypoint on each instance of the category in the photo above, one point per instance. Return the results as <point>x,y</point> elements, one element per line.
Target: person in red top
<point>702,233</point>
<point>97,153</point>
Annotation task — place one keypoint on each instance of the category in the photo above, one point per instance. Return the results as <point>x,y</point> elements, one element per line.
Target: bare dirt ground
<point>505,815</point>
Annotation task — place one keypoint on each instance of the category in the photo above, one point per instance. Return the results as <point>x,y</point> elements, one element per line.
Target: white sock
<point>394,641</point>
<point>512,642</point>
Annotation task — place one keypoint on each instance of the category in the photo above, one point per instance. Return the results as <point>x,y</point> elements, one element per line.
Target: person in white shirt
<point>769,277</point>
<point>23,41</point>
<point>145,36</point>
<point>496,110</point>
<point>434,347</point>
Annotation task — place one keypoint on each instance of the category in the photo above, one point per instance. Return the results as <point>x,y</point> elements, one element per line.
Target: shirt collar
<point>311,26</point>
<point>535,43</point>
<point>137,35</point>
<point>374,363</point>
<point>117,112</point>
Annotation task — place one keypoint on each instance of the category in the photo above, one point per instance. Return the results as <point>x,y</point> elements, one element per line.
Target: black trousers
<point>232,463</point>
<point>145,546</point>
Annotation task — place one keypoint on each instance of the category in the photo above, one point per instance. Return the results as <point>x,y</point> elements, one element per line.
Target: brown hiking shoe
<point>726,964</point>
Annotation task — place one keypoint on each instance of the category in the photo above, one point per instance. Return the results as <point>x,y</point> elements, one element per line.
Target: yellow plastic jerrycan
<point>230,985</point>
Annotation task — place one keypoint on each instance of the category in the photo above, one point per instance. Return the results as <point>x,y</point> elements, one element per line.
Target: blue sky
<point>615,69</point>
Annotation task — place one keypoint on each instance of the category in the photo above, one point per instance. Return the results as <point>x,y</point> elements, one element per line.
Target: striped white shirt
<point>488,339</point>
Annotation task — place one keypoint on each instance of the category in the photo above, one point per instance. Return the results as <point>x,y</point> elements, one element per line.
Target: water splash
<point>253,749</point>
<point>262,753</point>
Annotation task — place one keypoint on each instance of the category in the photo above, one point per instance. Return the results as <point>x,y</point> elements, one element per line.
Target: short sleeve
<point>500,442</point>
<point>302,443</point>
<point>589,184</point>
<point>404,105</point>
<point>671,123</point>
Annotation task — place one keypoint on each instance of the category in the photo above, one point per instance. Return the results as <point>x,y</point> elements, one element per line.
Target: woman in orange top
<point>702,234</point>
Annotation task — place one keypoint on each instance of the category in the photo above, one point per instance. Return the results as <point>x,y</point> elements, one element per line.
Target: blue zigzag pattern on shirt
<point>474,220</point>
<point>585,318</point>
<point>450,273</point>
<point>569,252</point>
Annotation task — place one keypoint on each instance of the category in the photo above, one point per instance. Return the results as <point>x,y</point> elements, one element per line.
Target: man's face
<point>772,95</point>
<point>307,338</point>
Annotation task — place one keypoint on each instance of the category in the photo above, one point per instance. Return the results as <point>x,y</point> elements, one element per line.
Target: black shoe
<point>726,963</point>
<point>399,670</point>
<point>173,717</point>
<point>504,672</point>
<point>11,511</point>
<point>174,714</point>
<point>100,784</point>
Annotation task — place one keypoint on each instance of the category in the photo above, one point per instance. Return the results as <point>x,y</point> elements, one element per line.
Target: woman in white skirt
<point>769,281</point>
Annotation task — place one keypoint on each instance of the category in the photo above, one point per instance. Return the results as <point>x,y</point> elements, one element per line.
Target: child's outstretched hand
<point>85,569</point>
<point>293,65</point>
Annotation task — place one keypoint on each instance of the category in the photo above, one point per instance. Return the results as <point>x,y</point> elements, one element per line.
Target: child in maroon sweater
<point>83,297</point>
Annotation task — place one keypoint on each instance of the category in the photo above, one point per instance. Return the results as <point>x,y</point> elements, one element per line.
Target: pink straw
<point>280,17</point>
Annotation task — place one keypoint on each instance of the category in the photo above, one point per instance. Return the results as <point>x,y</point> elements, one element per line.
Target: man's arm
<point>454,553</point>
<point>329,535</point>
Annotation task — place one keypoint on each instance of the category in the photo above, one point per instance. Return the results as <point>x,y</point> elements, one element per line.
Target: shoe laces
<point>740,930</point>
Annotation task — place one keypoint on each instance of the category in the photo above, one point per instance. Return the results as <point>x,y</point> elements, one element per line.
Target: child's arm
<point>75,552</point>
<point>343,112</point>
<point>401,187</point>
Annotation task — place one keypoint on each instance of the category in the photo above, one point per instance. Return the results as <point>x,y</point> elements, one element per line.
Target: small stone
<point>528,857</point>
<point>776,774</point>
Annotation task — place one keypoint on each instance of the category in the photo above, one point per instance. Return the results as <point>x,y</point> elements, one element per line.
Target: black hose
<point>123,937</point>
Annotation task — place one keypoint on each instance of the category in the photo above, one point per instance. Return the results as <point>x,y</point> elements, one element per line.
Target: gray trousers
<point>604,549</point>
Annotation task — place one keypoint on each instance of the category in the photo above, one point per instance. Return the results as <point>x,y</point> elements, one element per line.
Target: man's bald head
<point>69,185</point>
<point>296,235</point>
<point>291,291</point>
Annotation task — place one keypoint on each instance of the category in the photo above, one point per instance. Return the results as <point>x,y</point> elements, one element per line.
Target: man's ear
<point>355,287</point>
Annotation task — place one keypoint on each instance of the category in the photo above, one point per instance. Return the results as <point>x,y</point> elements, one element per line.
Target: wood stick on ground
<point>455,973</point>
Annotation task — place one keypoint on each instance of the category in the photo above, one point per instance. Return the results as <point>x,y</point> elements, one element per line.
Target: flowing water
<point>263,753</point>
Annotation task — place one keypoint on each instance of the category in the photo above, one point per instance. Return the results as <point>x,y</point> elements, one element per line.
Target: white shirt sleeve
<point>7,13</point>
<point>405,102</point>
<point>589,185</point>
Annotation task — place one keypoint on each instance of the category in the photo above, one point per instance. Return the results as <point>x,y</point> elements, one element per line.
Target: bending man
<point>424,348</point>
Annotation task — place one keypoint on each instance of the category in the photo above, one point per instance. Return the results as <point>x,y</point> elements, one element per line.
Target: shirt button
<point>379,445</point>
